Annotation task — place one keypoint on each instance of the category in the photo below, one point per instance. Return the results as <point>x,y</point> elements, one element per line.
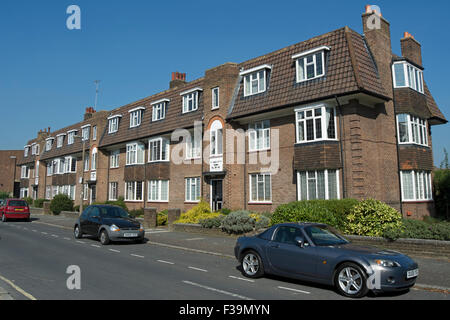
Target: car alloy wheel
<point>251,264</point>
<point>77,232</point>
<point>104,239</point>
<point>351,281</point>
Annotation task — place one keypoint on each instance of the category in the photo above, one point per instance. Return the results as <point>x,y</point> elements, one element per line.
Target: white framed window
<point>216,138</point>
<point>259,135</point>
<point>49,169</point>
<point>71,137</point>
<point>59,166</point>
<point>23,193</point>
<point>70,165</point>
<point>113,124</point>
<point>416,185</point>
<point>255,83</point>
<point>215,96</point>
<point>194,147</point>
<point>94,133</point>
<point>35,149</point>
<point>86,163</point>
<point>316,123</point>
<point>158,191</point>
<point>159,109</point>
<point>310,65</point>
<point>26,151</point>
<point>320,184</point>
<point>136,117</point>
<point>113,191</point>
<point>192,189</point>
<point>407,76</point>
<point>85,191</point>
<point>412,130</point>
<point>86,132</point>
<point>158,150</point>
<point>60,141</point>
<point>114,159</point>
<point>135,153</point>
<point>190,102</point>
<point>25,172</point>
<point>134,191</point>
<point>260,188</point>
<point>48,192</point>
<point>94,159</point>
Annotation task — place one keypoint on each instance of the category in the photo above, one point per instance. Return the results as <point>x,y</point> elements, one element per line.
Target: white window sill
<point>317,140</point>
<point>260,203</point>
<point>156,201</point>
<point>414,144</point>
<point>306,80</point>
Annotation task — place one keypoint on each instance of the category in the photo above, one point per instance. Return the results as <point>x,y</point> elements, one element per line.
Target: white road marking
<point>44,232</point>
<point>81,242</point>
<point>65,238</point>
<point>195,239</point>
<point>55,236</point>
<point>34,230</point>
<point>18,289</point>
<point>198,269</point>
<point>153,232</point>
<point>294,290</point>
<point>217,290</point>
<point>94,245</point>
<point>162,261</point>
<point>113,250</point>
<point>137,256</point>
<point>243,279</point>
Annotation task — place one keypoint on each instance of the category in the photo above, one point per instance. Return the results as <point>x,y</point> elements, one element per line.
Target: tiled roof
<point>350,68</point>
<point>174,117</point>
<point>432,106</point>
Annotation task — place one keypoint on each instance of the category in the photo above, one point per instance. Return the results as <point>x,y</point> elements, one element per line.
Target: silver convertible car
<point>317,253</point>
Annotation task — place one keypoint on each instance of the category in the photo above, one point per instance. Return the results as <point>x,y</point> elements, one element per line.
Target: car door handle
<point>275,246</point>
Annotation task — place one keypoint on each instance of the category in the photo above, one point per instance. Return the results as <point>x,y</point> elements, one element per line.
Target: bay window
<point>320,184</point>
<point>315,124</point>
<point>134,191</point>
<point>407,76</point>
<point>412,130</point>
<point>416,185</point>
<point>158,191</point>
<point>135,153</point>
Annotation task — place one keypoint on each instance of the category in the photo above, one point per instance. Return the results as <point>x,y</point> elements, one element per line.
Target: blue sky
<point>47,72</point>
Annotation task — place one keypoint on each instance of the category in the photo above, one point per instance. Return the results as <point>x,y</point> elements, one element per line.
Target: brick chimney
<point>88,113</point>
<point>378,37</point>
<point>411,48</point>
<point>177,79</point>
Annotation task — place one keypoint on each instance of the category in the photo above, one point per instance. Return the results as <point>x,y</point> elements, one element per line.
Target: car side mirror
<point>300,241</point>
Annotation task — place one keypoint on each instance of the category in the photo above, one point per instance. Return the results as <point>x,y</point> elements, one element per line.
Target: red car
<point>15,209</point>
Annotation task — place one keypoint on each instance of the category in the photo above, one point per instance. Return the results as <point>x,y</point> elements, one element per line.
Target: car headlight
<point>114,228</point>
<point>141,227</point>
<point>387,263</point>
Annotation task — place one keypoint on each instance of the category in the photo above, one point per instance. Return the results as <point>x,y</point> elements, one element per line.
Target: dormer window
<point>255,80</point>
<point>49,144</point>
<point>159,109</point>
<point>35,149</point>
<point>190,100</point>
<point>60,140</point>
<point>26,151</point>
<point>136,117</point>
<point>310,64</point>
<point>407,76</point>
<point>113,123</point>
<point>71,137</point>
<point>86,132</point>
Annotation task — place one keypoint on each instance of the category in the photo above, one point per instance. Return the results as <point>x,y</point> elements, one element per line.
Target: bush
<point>4,195</point>
<point>29,201</point>
<point>441,183</point>
<point>76,209</point>
<point>61,202</point>
<point>199,212</point>
<point>119,202</point>
<point>136,213</point>
<point>305,211</point>
<point>162,218</point>
<point>415,229</point>
<point>39,203</point>
<point>225,211</point>
<point>214,222</point>
<point>372,218</point>
<point>238,222</point>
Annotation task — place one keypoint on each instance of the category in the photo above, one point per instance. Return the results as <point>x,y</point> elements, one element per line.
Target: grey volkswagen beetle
<point>317,253</point>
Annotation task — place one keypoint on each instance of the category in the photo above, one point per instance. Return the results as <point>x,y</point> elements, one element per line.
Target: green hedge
<point>39,203</point>
<point>415,229</point>
<point>61,202</point>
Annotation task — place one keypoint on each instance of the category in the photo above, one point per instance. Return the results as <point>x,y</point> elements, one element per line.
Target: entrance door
<point>216,195</point>
<point>93,194</point>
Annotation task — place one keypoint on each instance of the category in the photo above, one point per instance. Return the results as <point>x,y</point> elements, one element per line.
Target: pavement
<point>35,257</point>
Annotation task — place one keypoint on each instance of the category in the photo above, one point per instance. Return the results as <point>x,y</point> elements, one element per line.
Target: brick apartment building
<point>9,175</point>
<point>336,116</point>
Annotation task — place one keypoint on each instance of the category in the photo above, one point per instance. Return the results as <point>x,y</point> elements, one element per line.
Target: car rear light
<point>27,209</point>
<point>9,209</point>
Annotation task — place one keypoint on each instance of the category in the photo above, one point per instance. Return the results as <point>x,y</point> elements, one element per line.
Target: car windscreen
<point>324,236</point>
<point>17,203</point>
<point>112,212</point>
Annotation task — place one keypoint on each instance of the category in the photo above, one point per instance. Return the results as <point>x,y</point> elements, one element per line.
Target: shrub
<point>262,223</point>
<point>371,218</point>
<point>39,203</point>
<point>29,201</point>
<point>225,211</point>
<point>238,222</point>
<point>61,202</point>
<point>162,218</point>
<point>136,213</point>
<point>214,222</point>
<point>305,211</point>
<point>4,195</point>
<point>199,212</point>
<point>119,202</point>
<point>415,229</point>
<point>441,183</point>
<point>76,209</point>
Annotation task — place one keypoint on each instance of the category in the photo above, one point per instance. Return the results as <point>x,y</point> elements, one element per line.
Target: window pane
<point>309,130</point>
<point>399,72</point>
<point>331,128</point>
<point>303,186</point>
<point>319,128</point>
<point>254,188</point>
<point>310,71</point>
<point>403,127</point>
<point>332,184</point>
<point>321,185</point>
<point>268,191</point>
<point>301,69</point>
<point>319,67</point>
<point>312,185</point>
<point>164,190</point>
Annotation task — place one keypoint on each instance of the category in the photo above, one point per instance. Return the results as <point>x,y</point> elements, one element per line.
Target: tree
<point>444,163</point>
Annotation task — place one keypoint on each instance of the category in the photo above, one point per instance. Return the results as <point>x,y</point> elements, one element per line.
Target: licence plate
<point>130,235</point>
<point>19,210</point>
<point>412,273</point>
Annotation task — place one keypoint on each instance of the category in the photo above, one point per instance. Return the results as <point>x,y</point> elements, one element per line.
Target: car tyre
<point>4,218</point>
<point>104,238</point>
<point>351,281</point>
<point>251,264</point>
<point>77,232</point>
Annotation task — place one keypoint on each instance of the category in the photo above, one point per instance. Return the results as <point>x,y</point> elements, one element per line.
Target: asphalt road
<point>34,258</point>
